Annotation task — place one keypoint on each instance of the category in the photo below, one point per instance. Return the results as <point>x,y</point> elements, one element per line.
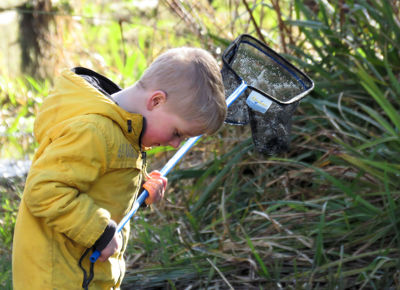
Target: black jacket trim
<point>100,82</point>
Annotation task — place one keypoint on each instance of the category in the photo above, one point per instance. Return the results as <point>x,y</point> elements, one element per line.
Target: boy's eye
<point>180,136</point>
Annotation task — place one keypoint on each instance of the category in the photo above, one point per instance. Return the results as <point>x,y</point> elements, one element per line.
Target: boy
<point>88,168</point>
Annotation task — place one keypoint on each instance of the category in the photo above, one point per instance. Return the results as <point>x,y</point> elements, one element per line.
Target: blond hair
<point>192,80</point>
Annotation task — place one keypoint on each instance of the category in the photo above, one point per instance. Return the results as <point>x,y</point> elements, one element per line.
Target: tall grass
<point>10,192</point>
<point>19,101</point>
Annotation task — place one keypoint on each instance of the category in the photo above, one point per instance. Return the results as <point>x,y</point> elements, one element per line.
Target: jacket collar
<point>107,88</point>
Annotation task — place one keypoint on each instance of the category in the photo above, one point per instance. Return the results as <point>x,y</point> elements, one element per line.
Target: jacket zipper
<point>124,241</point>
<point>144,156</point>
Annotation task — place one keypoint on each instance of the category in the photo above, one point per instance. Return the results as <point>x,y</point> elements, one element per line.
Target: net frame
<point>230,54</point>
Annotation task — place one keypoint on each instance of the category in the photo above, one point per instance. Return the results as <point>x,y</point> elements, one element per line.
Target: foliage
<point>326,214</point>
<point>19,100</point>
<point>10,192</point>
<point>323,216</point>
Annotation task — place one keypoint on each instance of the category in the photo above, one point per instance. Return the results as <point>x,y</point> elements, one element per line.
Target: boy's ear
<point>156,99</point>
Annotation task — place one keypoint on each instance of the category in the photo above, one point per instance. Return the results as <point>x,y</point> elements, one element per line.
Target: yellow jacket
<point>86,171</point>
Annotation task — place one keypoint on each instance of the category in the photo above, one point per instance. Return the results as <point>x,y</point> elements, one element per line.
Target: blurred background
<point>324,215</point>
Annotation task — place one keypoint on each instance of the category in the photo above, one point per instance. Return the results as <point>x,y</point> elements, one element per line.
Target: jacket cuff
<point>106,237</point>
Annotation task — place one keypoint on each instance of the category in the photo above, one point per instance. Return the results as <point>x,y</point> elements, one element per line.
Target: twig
<point>279,227</point>
<point>260,35</point>
<point>220,273</point>
<point>183,14</point>
<point>280,24</point>
<point>120,23</point>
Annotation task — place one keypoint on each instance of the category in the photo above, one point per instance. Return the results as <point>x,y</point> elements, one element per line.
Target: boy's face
<point>164,128</point>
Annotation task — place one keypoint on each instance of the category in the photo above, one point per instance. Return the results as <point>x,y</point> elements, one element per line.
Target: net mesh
<point>271,76</point>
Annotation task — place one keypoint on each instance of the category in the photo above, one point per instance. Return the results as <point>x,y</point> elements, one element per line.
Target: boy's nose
<point>175,142</point>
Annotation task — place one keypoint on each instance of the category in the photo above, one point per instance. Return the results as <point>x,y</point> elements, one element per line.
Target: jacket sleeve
<point>60,178</point>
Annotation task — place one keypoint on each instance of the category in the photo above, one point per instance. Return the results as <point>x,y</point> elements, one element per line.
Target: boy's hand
<point>113,246</point>
<point>155,186</point>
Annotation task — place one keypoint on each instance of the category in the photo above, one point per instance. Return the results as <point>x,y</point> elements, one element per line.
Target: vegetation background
<point>324,215</point>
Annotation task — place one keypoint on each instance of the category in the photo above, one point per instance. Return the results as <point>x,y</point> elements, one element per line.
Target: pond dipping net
<point>274,89</point>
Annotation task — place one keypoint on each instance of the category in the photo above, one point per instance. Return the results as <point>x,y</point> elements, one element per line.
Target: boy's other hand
<point>155,186</point>
<point>113,246</point>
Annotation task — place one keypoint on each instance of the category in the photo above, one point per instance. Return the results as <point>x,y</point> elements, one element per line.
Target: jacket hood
<point>80,92</point>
